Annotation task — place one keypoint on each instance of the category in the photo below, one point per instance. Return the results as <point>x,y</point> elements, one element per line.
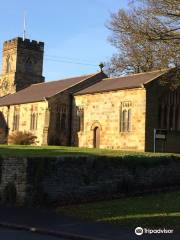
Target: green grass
<point>23,150</point>
<point>158,210</point>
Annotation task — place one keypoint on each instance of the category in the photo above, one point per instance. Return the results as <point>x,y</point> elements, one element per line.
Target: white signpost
<point>159,134</point>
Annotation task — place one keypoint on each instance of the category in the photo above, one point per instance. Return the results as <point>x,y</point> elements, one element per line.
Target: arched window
<point>169,111</point>
<point>8,64</point>
<point>171,117</point>
<point>63,121</point>
<point>125,117</point>
<point>177,119</point>
<point>61,118</point>
<point>33,121</point>
<point>159,116</point>
<point>3,124</point>
<point>80,119</point>
<point>129,120</point>
<point>16,120</point>
<point>165,118</point>
<point>96,137</point>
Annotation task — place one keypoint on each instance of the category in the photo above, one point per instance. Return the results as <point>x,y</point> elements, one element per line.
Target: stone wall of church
<point>60,106</point>
<point>159,96</point>
<point>24,111</point>
<point>103,110</point>
<point>59,119</point>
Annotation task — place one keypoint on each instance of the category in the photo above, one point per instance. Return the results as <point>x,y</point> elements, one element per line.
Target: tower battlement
<point>22,64</point>
<point>26,43</point>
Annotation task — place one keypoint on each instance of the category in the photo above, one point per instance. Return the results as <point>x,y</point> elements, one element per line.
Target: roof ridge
<point>133,74</point>
<point>38,92</point>
<point>87,76</point>
<point>64,79</point>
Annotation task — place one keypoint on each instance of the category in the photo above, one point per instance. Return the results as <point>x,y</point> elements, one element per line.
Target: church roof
<point>37,92</point>
<point>124,82</point>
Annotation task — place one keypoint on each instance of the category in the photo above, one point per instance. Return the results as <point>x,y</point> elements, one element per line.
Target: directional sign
<point>159,134</point>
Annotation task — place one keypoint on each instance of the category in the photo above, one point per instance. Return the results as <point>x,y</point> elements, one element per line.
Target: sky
<point>74,32</point>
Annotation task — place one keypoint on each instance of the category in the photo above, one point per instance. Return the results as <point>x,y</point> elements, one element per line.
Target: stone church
<point>87,111</point>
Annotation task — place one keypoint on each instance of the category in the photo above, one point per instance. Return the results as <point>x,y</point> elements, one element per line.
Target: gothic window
<point>80,119</point>
<point>125,116</point>
<point>8,64</point>
<point>164,115</point>
<point>177,120</point>
<point>169,115</point>
<point>3,123</point>
<point>28,65</point>
<point>171,112</point>
<point>61,118</point>
<point>63,121</point>
<point>16,120</point>
<point>159,115</point>
<point>124,121</point>
<point>129,120</point>
<point>33,121</point>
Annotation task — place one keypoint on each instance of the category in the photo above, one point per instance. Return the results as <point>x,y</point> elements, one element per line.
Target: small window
<point>168,111</point>
<point>61,118</point>
<point>80,119</point>
<point>129,120</point>
<point>16,121</point>
<point>125,117</point>
<point>33,121</point>
<point>8,64</point>
<point>177,119</point>
<point>63,121</point>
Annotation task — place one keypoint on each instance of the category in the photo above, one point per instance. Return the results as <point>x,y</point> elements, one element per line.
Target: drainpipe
<point>70,118</point>
<point>7,129</point>
<point>46,124</point>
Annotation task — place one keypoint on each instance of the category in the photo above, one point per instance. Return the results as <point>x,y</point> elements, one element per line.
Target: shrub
<point>22,138</point>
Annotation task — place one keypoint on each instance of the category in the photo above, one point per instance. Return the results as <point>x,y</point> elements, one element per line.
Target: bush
<point>22,138</point>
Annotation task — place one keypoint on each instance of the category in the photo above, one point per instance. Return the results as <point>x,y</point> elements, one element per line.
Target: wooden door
<point>96,137</point>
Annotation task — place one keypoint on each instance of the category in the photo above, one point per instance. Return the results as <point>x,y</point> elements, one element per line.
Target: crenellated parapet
<point>26,44</point>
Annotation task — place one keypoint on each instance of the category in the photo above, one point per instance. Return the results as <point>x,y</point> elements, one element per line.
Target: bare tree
<point>164,19</point>
<point>143,38</point>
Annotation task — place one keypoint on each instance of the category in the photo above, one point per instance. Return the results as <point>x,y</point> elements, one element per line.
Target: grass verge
<point>158,210</point>
<point>26,150</point>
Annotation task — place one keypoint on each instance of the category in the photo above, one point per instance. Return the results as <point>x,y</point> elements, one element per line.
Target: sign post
<point>159,134</point>
<point>154,140</point>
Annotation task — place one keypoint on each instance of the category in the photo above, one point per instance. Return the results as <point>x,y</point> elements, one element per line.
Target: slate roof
<point>37,92</point>
<point>125,82</point>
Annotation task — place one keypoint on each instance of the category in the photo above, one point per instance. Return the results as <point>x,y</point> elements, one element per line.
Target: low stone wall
<point>74,179</point>
<point>13,173</point>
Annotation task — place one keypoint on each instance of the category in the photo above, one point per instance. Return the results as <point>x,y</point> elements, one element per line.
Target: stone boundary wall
<point>75,179</point>
<point>13,178</point>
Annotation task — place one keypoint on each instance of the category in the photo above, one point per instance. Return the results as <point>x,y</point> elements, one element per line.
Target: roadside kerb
<point>62,234</point>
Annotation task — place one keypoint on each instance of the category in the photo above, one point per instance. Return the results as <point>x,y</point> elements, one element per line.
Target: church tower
<point>22,65</point>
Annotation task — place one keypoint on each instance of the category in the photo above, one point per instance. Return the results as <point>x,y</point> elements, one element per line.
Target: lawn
<point>157,210</point>
<point>25,151</point>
